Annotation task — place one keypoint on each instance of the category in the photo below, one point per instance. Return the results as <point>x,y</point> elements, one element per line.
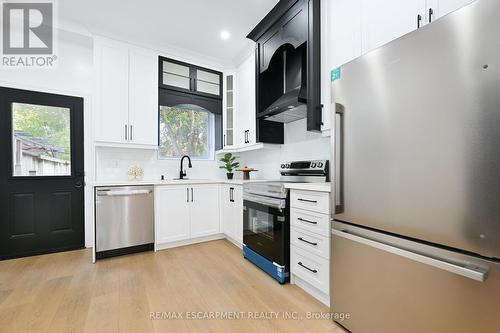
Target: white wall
<point>73,76</point>
<point>113,164</point>
<point>299,145</point>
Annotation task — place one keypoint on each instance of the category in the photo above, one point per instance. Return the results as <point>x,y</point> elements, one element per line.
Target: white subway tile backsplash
<point>113,163</point>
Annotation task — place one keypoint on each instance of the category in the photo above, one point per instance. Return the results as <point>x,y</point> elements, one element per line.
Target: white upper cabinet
<point>143,97</point>
<point>111,65</point>
<point>341,43</point>
<point>126,94</point>
<point>245,113</point>
<point>344,31</point>
<point>440,8</point>
<point>386,20</point>
<point>351,28</point>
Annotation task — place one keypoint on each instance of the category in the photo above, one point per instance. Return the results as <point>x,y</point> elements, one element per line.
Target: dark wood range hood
<point>287,56</point>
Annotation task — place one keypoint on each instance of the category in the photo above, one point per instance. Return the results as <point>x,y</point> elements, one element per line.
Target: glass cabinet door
<point>229,125</point>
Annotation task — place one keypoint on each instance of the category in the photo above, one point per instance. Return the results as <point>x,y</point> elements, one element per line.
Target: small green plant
<point>230,162</point>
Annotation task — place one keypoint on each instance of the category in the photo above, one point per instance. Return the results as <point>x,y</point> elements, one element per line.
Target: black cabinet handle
<point>307,221</point>
<point>131,133</point>
<point>224,140</point>
<point>192,195</point>
<point>305,200</point>
<point>187,195</point>
<point>306,241</point>
<point>431,12</point>
<point>231,194</point>
<point>126,132</point>
<point>312,270</point>
<point>419,20</point>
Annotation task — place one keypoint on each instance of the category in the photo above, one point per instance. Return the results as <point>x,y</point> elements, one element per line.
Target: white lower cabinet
<point>185,212</point>
<point>311,268</point>
<point>310,242</point>
<point>172,214</point>
<point>204,211</point>
<point>232,212</point>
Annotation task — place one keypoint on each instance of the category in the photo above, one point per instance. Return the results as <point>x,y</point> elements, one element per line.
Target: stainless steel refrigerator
<point>416,233</point>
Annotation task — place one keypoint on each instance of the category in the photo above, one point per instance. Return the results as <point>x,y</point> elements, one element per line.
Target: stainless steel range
<point>266,216</point>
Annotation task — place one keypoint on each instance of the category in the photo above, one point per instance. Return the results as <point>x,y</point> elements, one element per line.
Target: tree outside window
<point>186,130</point>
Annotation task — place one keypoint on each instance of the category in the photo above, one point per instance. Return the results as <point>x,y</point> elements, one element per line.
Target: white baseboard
<point>163,246</point>
<point>235,242</point>
<point>311,290</point>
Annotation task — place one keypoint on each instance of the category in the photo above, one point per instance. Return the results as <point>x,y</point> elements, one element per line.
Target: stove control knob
<point>313,165</point>
<point>320,164</point>
<point>282,166</point>
<point>287,166</point>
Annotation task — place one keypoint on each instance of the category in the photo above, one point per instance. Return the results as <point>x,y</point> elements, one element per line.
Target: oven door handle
<point>269,202</point>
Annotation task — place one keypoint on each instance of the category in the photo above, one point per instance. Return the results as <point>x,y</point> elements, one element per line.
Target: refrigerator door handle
<point>338,154</point>
<point>477,273</point>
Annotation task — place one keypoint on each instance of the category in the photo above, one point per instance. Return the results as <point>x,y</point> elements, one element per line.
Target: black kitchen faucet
<point>182,173</point>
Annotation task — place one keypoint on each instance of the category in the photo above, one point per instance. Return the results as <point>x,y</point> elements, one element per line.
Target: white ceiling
<point>193,26</point>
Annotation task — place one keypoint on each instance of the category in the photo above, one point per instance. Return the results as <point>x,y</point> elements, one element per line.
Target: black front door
<point>41,173</point>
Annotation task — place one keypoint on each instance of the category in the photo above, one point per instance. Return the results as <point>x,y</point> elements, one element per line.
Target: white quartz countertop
<point>318,187</point>
<point>173,182</point>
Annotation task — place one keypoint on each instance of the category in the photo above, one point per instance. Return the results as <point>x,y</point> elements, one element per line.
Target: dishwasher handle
<point>122,193</point>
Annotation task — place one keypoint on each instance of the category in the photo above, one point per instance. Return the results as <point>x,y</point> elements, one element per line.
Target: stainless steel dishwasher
<point>124,220</point>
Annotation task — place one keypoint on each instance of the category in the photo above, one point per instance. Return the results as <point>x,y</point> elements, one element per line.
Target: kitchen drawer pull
<point>306,200</point>
<point>312,270</point>
<point>307,221</point>
<point>306,241</point>
<point>187,195</point>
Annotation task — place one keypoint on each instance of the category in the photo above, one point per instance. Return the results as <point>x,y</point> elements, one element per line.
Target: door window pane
<point>186,130</point>
<point>41,140</point>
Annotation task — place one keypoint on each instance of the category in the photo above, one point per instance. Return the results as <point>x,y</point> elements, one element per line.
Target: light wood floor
<point>65,292</point>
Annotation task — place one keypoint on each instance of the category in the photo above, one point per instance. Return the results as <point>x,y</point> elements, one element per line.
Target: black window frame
<point>172,95</point>
<point>192,78</point>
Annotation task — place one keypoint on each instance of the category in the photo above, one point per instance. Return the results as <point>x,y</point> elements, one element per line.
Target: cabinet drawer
<point>312,269</point>
<point>310,200</point>
<point>310,221</point>
<point>312,243</point>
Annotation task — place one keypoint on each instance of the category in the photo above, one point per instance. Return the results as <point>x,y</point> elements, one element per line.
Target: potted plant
<point>230,164</point>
